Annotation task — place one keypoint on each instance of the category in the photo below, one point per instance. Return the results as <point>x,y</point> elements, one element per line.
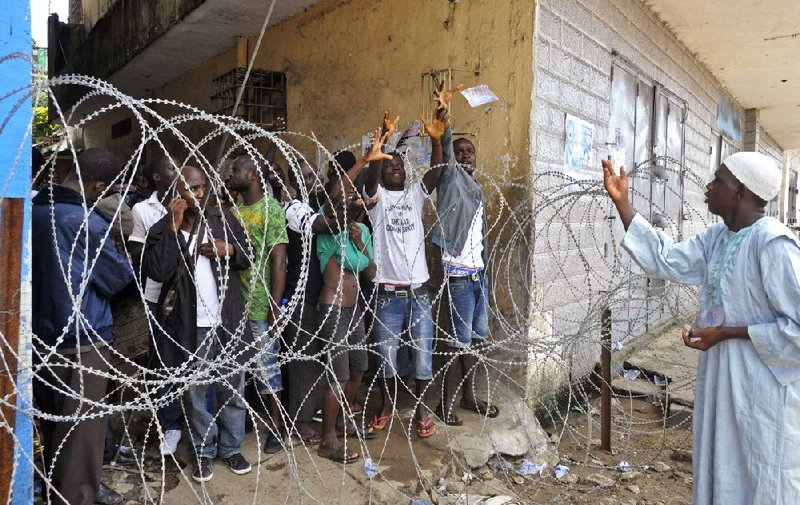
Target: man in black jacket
<point>203,318</point>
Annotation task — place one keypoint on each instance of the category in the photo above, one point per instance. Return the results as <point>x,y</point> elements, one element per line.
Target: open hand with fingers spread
<point>279,124</point>
<point>375,152</point>
<point>443,98</point>
<point>435,129</point>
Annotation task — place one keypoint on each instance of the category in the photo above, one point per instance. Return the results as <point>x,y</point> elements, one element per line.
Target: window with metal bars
<point>263,100</point>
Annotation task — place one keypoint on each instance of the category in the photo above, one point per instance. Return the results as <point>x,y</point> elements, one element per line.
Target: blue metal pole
<point>15,182</point>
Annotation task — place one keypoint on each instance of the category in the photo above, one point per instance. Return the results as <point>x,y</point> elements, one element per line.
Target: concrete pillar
<point>75,12</point>
<point>752,130</point>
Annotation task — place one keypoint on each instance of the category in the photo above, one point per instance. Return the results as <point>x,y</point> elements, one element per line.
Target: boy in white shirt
<point>403,310</point>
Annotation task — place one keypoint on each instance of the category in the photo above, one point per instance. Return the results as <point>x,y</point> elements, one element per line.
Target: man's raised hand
<point>443,98</point>
<point>390,126</point>
<point>279,124</point>
<point>435,129</point>
<point>616,185</point>
<point>375,152</point>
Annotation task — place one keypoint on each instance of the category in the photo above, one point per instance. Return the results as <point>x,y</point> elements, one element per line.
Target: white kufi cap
<point>757,172</point>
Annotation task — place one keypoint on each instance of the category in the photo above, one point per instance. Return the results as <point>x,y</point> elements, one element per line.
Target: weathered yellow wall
<point>346,61</point>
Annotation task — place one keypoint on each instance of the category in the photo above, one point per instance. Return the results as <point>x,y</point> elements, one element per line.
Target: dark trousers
<point>73,450</point>
<point>169,415</point>
<point>304,372</point>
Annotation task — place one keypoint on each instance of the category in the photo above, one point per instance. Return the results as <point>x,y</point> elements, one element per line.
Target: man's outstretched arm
<point>617,188</point>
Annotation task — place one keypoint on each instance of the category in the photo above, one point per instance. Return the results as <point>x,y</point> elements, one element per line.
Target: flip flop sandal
<point>426,429</point>
<point>483,408</point>
<point>451,419</point>
<point>339,455</point>
<point>379,422</point>
<point>357,409</point>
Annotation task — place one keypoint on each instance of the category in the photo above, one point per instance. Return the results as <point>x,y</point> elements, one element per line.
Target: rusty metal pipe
<point>605,380</point>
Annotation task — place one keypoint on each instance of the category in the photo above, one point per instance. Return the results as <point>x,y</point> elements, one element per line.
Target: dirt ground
<point>656,446</point>
<point>659,454</point>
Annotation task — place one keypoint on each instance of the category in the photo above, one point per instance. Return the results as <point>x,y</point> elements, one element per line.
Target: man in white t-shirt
<point>162,173</point>
<point>403,313</point>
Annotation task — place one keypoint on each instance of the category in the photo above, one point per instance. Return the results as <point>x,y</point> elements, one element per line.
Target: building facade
<point>331,67</point>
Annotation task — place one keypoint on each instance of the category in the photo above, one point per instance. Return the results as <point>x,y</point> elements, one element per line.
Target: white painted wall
<point>572,75</point>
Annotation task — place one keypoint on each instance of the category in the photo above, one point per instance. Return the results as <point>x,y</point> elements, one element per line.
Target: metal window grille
<point>263,100</point>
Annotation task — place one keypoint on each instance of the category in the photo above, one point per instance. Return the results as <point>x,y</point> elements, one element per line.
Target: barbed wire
<point>553,266</point>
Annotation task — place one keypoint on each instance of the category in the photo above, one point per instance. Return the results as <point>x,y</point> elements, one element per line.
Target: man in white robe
<point>747,402</point>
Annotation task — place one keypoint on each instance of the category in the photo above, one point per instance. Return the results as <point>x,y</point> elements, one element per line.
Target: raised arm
<point>443,99</point>
<point>376,167</point>
<point>374,154</point>
<point>435,130</point>
<point>617,188</point>
<point>438,127</point>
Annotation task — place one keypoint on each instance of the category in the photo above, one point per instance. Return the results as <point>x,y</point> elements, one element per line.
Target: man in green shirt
<point>263,284</point>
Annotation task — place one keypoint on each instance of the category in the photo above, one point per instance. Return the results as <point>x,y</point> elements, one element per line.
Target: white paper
<point>561,471</point>
<point>632,375</point>
<point>479,95</point>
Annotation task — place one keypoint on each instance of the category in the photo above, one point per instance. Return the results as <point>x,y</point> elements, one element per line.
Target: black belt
<point>401,291</point>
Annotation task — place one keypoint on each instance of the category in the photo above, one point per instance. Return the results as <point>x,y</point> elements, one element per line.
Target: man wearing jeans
<point>161,172</point>
<point>203,317</point>
<point>461,233</point>
<point>263,284</point>
<point>403,311</point>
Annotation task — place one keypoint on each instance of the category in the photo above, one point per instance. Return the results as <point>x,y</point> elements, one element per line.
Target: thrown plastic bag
<point>528,468</point>
<point>624,467</point>
<point>370,470</point>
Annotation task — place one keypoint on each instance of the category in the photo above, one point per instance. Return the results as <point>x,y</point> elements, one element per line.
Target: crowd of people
<point>221,276</point>
<point>298,282</point>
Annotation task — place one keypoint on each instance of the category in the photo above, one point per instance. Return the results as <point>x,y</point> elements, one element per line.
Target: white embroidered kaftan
<point>747,401</point>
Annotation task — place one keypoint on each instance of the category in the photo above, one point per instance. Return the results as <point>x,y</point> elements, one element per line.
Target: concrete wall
<point>757,139</point>
<point>573,60</point>
<point>346,61</point>
<point>91,11</point>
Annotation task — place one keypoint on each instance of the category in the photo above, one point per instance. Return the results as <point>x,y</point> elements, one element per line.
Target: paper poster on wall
<point>729,119</point>
<point>578,143</point>
<point>479,95</point>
